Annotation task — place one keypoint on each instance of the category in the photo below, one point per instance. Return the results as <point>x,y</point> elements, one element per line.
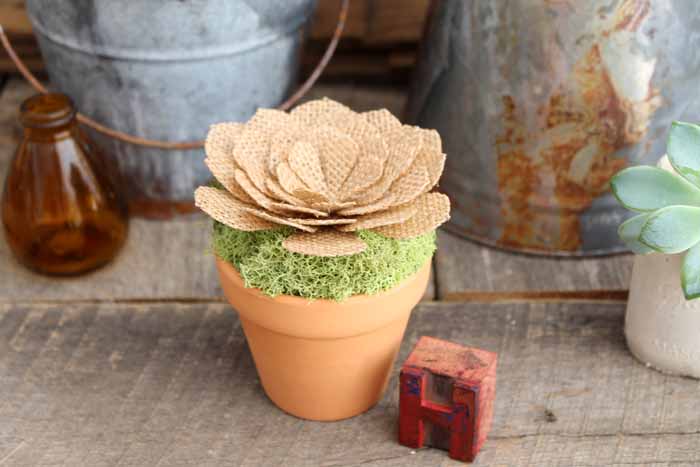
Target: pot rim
<point>295,300</point>
<point>322,318</point>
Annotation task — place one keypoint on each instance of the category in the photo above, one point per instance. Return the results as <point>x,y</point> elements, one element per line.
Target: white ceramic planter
<point>661,326</point>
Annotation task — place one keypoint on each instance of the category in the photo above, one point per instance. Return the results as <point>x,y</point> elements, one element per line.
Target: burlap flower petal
<point>250,154</point>
<point>358,128</point>
<point>331,206</point>
<point>404,145</point>
<point>386,202</point>
<point>431,155</point>
<point>293,185</point>
<point>293,203</point>
<point>433,210</point>
<point>338,155</point>
<point>270,121</point>
<point>277,219</point>
<point>332,221</point>
<point>262,200</point>
<point>305,161</point>
<point>320,112</point>
<point>394,215</point>
<point>328,243</point>
<point>367,171</point>
<point>224,171</point>
<point>221,140</point>
<point>280,144</point>
<point>411,185</point>
<point>277,192</point>
<point>251,189</point>
<point>373,193</point>
<point>223,207</point>
<point>219,146</point>
<point>382,119</point>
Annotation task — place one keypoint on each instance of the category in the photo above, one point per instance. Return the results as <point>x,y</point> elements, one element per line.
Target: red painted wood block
<point>446,397</point>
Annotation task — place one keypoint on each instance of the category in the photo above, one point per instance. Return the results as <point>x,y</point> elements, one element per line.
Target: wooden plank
<point>466,269</point>
<point>161,260</point>
<point>174,384</point>
<point>325,19</point>
<point>394,21</point>
<point>15,19</point>
<point>391,66</point>
<point>373,23</point>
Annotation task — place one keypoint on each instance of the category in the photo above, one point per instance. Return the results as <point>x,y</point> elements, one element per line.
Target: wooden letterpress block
<point>446,397</point>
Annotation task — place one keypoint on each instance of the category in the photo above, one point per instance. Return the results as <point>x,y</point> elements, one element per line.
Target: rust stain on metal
<point>550,174</point>
<point>631,14</point>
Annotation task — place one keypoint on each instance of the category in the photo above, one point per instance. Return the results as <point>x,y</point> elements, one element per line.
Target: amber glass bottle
<point>60,207</point>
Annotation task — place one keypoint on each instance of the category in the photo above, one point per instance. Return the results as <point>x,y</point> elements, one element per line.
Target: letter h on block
<point>446,397</point>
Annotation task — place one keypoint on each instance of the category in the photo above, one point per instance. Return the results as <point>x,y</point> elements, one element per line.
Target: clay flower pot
<point>322,359</point>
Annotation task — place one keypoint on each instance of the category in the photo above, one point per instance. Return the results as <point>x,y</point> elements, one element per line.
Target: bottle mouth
<point>47,111</point>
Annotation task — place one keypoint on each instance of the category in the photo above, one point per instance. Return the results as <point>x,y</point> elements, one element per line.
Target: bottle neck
<point>53,134</point>
<point>48,117</point>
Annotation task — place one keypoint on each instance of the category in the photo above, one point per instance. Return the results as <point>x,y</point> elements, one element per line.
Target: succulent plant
<point>327,172</point>
<point>668,203</point>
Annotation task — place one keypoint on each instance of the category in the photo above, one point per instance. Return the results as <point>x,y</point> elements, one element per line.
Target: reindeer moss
<point>264,264</point>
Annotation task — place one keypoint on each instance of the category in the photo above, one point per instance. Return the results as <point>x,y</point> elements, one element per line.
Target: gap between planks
<point>4,78</point>
<point>476,296</point>
<point>538,296</point>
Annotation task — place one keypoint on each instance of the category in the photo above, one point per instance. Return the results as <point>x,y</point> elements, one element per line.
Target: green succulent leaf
<point>684,150</point>
<point>690,273</point>
<point>646,188</point>
<point>629,233</point>
<point>672,229</point>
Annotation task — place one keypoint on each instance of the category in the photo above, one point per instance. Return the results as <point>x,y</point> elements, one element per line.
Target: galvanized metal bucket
<point>167,69</point>
<point>540,102</point>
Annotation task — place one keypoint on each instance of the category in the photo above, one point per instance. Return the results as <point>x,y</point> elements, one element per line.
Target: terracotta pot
<point>322,359</point>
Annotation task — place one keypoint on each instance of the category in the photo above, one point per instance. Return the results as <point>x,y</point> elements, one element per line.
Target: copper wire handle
<point>151,143</point>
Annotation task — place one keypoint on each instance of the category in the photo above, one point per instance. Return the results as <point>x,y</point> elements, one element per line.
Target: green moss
<point>265,264</point>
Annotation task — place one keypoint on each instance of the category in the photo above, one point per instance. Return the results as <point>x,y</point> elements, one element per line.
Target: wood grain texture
<point>14,19</point>
<point>161,260</point>
<point>174,385</point>
<point>463,267</point>
<point>373,23</point>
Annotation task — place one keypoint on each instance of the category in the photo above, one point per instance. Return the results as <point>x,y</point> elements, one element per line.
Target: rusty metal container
<point>166,70</point>
<point>540,102</point>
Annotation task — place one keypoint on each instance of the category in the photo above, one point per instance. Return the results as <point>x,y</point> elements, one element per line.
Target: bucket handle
<point>151,143</point>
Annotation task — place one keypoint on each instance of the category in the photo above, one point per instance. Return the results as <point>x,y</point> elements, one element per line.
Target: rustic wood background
<point>143,363</point>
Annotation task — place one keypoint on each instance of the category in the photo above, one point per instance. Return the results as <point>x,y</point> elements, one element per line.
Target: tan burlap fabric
<point>327,172</point>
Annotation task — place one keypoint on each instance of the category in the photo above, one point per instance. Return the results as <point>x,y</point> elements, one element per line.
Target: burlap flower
<point>327,172</point>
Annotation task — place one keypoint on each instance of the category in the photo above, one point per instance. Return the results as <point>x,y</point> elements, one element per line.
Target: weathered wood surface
<point>167,260</point>
<point>174,385</point>
<point>466,270</point>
